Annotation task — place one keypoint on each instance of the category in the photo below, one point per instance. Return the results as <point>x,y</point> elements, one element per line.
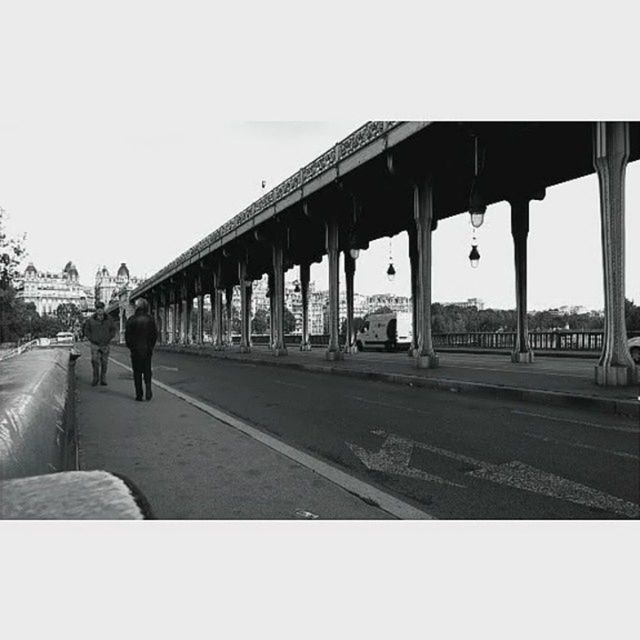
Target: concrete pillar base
<point>610,376</point>
<point>429,361</point>
<point>244,349</point>
<point>279,351</point>
<point>305,346</point>
<point>334,355</point>
<point>526,357</point>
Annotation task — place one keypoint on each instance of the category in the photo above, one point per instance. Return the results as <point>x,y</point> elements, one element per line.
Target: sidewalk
<point>190,465</point>
<point>549,380</point>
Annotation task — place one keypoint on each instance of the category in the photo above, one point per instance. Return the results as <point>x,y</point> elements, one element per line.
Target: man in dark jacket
<point>141,334</point>
<point>99,329</point>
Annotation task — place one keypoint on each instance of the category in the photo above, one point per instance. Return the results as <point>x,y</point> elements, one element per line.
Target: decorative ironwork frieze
<point>352,143</point>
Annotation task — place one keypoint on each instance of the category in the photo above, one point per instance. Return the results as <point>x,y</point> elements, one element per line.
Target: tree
<point>632,315</point>
<point>69,316</point>
<point>382,310</point>
<point>260,322</point>
<point>235,320</point>
<point>289,321</point>
<point>11,252</point>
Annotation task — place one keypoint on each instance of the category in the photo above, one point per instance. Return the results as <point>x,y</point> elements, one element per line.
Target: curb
<point>617,406</point>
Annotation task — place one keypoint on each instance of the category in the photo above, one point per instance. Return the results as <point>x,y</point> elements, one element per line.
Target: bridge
<point>468,426</point>
<point>389,177</point>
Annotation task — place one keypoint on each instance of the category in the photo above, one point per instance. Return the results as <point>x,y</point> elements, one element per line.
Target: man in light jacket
<point>141,334</point>
<point>99,329</point>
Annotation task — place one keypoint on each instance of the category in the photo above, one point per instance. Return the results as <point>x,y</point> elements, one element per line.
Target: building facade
<point>108,286</point>
<point>390,300</point>
<point>48,290</point>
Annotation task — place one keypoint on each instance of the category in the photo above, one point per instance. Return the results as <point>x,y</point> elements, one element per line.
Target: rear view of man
<point>140,335</point>
<point>99,329</point>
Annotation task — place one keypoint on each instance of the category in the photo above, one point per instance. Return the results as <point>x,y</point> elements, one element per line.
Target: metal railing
<point>4,355</point>
<point>538,340</point>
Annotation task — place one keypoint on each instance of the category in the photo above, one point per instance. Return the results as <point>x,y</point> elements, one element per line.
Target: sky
<point>130,140</point>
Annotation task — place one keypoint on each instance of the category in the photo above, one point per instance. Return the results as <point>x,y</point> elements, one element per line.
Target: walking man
<point>141,334</point>
<point>99,329</point>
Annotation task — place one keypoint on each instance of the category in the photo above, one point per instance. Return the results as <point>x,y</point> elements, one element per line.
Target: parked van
<point>389,331</point>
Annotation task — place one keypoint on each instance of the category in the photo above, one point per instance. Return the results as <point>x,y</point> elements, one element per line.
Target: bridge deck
<point>188,452</point>
<point>190,465</point>
<point>567,380</point>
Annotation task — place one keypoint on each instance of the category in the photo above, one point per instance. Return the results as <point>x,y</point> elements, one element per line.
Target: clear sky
<point>129,140</point>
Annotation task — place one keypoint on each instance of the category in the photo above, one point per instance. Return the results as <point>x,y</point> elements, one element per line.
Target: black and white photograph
<point>281,319</point>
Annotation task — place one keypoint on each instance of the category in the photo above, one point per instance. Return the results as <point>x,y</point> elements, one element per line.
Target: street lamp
<point>477,206</point>
<point>474,256</point>
<point>354,249</point>
<point>391,272</point>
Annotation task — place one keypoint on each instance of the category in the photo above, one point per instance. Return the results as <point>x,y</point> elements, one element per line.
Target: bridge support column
<point>426,357</point>
<point>271,309</point>
<point>188,320</point>
<point>519,230</point>
<point>249,294</point>
<point>228,297</point>
<point>279,347</point>
<point>218,342</point>
<point>332,244</point>
<point>349,272</point>
<point>413,264</point>
<point>216,308</point>
<point>200,320</point>
<point>122,323</point>
<point>245,313</point>
<point>610,157</point>
<point>161,328</point>
<point>160,323</point>
<point>305,272</point>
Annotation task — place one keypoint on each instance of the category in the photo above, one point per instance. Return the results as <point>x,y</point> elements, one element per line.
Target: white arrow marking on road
<point>515,474</point>
<point>394,457</point>
<point>521,476</point>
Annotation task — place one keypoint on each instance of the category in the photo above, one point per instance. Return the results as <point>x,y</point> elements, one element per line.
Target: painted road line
<point>579,422</point>
<point>582,445</point>
<point>521,476</point>
<point>385,501</point>
<point>389,406</point>
<point>290,384</point>
<point>394,457</point>
<point>164,367</point>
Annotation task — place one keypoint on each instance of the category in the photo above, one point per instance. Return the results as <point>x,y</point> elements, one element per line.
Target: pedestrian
<point>140,336</point>
<point>99,329</point>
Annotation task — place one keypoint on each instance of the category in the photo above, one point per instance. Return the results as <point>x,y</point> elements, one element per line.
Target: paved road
<point>455,456</point>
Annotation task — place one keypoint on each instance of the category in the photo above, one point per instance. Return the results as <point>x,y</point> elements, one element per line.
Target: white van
<point>389,331</point>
